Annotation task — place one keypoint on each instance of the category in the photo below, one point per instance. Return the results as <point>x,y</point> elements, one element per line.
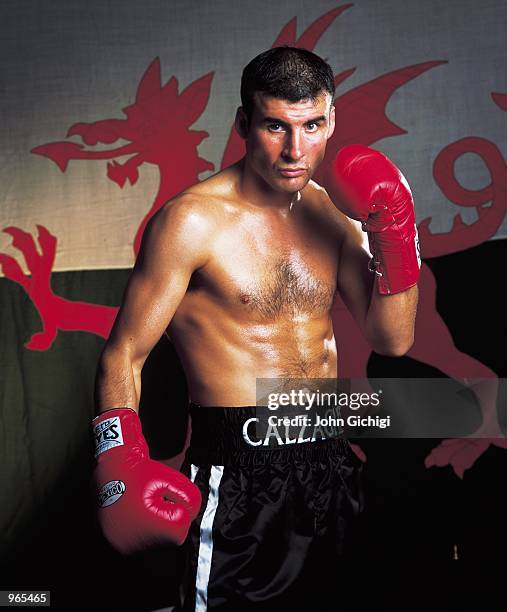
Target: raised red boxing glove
<point>141,502</point>
<point>367,186</point>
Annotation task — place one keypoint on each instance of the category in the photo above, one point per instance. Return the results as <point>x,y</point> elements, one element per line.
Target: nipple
<point>244,298</point>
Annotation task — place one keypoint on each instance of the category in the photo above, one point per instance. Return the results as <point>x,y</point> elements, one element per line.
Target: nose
<point>293,150</point>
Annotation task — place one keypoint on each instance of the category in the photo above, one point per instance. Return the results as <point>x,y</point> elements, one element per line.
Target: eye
<point>312,126</point>
<point>275,127</point>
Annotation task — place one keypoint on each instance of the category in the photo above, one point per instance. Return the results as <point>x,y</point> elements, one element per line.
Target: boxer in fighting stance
<point>241,270</point>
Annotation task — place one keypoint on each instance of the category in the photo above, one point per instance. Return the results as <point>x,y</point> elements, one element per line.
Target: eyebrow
<point>275,120</point>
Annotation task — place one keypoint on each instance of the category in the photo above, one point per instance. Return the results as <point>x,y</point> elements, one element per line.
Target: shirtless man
<point>241,270</point>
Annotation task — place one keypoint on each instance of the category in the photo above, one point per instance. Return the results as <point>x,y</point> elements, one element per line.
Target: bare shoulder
<point>178,234</point>
<point>190,214</point>
<point>201,206</point>
<point>186,213</point>
<point>319,202</point>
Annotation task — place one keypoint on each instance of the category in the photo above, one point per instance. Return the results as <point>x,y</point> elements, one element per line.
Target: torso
<point>261,306</point>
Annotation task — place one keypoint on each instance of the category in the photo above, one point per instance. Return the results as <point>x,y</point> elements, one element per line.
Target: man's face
<point>286,141</point>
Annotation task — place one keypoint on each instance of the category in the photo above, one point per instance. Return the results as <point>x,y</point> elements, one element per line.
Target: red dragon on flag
<point>158,130</point>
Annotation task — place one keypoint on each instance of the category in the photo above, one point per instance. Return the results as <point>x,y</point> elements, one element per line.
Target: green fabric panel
<point>46,397</point>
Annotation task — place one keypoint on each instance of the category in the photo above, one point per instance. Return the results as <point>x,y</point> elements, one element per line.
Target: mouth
<point>291,172</point>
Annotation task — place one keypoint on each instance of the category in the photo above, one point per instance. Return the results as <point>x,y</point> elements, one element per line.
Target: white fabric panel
<point>73,61</point>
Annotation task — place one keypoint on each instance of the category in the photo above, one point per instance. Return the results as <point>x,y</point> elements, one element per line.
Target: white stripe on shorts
<point>206,538</point>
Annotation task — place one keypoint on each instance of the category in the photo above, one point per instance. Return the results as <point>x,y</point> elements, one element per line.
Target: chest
<point>273,270</point>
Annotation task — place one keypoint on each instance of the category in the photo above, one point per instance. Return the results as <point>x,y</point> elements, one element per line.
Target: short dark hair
<point>287,73</point>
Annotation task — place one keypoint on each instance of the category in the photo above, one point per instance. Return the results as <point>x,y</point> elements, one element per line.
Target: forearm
<point>117,382</point>
<point>390,321</point>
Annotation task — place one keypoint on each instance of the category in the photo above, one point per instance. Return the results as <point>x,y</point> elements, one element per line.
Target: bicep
<point>168,256</point>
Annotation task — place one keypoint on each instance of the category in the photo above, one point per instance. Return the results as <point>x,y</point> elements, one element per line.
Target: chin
<point>291,185</point>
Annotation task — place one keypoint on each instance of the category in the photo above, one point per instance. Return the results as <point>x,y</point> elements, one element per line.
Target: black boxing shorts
<point>273,525</point>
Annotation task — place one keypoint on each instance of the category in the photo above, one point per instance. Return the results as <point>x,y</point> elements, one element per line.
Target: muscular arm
<point>387,321</point>
<point>173,246</point>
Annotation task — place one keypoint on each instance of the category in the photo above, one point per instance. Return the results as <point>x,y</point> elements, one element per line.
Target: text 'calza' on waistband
<point>222,431</point>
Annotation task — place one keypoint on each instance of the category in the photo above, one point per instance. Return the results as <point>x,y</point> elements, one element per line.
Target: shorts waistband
<point>256,435</point>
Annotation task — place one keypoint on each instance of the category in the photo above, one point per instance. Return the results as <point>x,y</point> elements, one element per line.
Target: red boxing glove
<point>368,187</point>
<point>142,502</point>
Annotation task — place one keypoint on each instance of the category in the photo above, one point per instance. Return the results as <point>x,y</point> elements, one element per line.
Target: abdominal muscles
<point>278,328</point>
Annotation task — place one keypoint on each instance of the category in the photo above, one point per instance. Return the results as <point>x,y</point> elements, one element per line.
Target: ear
<point>241,123</point>
<point>332,121</point>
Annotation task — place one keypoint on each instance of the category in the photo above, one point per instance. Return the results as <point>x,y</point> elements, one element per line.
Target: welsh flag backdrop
<point>110,109</point>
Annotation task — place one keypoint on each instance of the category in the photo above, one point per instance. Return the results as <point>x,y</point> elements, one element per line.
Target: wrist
<point>103,411</point>
<point>118,431</point>
<point>395,261</point>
